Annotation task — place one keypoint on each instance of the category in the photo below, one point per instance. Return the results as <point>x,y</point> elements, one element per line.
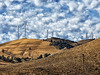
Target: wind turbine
<point>18,31</point>
<point>25,30</point>
<point>86,35</point>
<point>92,35</point>
<point>52,33</point>
<point>47,34</point>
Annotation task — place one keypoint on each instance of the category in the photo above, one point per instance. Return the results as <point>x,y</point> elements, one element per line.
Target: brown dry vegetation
<point>59,39</point>
<point>84,41</point>
<point>66,62</point>
<point>27,48</point>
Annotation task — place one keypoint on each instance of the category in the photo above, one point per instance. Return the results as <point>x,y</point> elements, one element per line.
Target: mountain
<point>67,62</point>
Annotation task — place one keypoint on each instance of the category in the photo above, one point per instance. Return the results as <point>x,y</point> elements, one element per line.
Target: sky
<point>67,19</point>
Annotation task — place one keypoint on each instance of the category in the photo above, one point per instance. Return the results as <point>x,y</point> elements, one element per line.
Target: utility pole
<point>47,34</point>
<point>18,31</point>
<point>83,64</point>
<point>25,30</point>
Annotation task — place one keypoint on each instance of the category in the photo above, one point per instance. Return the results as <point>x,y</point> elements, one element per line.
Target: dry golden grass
<point>84,41</point>
<point>27,48</point>
<point>66,62</point>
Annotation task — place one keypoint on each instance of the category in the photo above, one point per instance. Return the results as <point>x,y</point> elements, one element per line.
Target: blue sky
<point>69,19</point>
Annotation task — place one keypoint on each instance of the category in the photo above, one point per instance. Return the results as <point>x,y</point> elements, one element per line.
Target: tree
<point>3,50</point>
<point>11,59</point>
<point>46,55</point>
<point>40,57</point>
<point>3,58</point>
<point>8,58</point>
<point>18,59</point>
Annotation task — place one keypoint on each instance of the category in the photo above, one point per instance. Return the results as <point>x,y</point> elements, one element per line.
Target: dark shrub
<point>29,48</point>
<point>46,55</point>
<point>18,59</point>
<point>3,58</point>
<point>26,59</point>
<point>8,59</point>
<point>3,50</point>
<point>0,57</point>
<point>51,41</point>
<point>11,59</point>
<point>40,57</point>
<point>50,44</point>
<point>61,44</point>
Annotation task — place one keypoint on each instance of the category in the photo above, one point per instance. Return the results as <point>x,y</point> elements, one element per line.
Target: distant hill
<point>84,41</point>
<point>61,43</point>
<point>67,44</point>
<point>59,39</point>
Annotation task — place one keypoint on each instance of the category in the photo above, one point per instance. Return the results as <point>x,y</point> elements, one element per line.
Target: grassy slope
<point>20,48</point>
<point>68,62</point>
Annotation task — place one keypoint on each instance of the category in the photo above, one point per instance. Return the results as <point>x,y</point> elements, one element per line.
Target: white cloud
<point>37,2</point>
<point>66,18</point>
<point>14,7</point>
<point>72,5</point>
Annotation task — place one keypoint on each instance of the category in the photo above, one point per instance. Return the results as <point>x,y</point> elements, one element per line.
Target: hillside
<point>68,62</point>
<point>66,44</point>
<point>26,48</point>
<point>84,41</point>
<point>59,39</point>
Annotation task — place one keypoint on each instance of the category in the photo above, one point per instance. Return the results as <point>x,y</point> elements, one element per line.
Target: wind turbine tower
<point>86,35</point>
<point>52,33</point>
<point>92,35</point>
<point>47,34</point>
<point>24,30</point>
<point>18,31</point>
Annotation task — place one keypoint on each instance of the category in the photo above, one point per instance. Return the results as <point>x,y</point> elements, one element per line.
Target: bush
<point>11,59</point>
<point>0,57</point>
<point>26,59</point>
<point>8,59</point>
<point>18,59</point>
<point>29,48</point>
<point>51,41</point>
<point>3,58</point>
<point>40,57</point>
<point>3,50</point>
<point>46,55</point>
<point>61,44</point>
<point>50,44</point>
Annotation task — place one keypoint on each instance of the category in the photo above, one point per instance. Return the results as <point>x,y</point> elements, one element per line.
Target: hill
<point>59,39</point>
<point>63,43</point>
<point>67,62</point>
<point>84,41</point>
<point>31,48</point>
